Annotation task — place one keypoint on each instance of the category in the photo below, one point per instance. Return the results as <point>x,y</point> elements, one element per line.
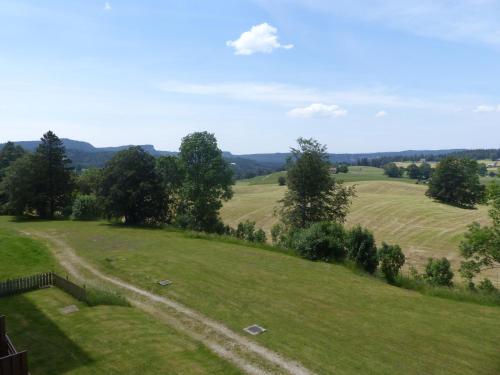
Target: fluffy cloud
<point>261,38</point>
<point>487,108</point>
<point>318,110</point>
<point>380,114</point>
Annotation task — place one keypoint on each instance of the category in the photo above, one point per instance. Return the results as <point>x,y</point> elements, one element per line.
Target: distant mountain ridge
<point>85,155</point>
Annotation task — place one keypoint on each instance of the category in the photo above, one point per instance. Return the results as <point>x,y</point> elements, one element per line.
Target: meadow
<point>94,340</point>
<point>327,317</point>
<point>396,210</point>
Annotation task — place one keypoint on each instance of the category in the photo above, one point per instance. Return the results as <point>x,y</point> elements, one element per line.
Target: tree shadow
<point>50,350</point>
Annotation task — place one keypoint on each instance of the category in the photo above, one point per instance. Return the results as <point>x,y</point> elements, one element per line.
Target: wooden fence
<point>42,280</point>
<point>11,361</point>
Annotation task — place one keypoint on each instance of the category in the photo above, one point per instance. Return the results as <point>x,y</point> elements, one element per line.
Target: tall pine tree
<point>53,183</point>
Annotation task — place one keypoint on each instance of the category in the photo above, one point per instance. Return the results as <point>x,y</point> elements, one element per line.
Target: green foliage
<point>456,181</point>
<point>321,241</point>
<point>40,183</point>
<point>131,188</point>
<point>246,231</point>
<point>342,168</point>
<point>96,297</point>
<point>413,171</point>
<point>207,181</point>
<point>391,260</point>
<point>438,272</point>
<point>313,195</point>
<point>392,170</point>
<point>53,182</point>
<point>281,180</point>
<point>89,181</point>
<point>169,170</point>
<point>85,207</point>
<point>481,245</point>
<point>9,154</point>
<point>487,286</point>
<point>361,248</point>
<point>17,186</point>
<point>482,169</point>
<point>425,171</point>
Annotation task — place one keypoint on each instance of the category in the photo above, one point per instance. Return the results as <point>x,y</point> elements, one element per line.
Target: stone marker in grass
<point>164,282</point>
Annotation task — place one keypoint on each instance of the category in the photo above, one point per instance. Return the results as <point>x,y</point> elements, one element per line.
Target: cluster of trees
<point>133,186</point>
<point>413,171</point>
<point>313,211</point>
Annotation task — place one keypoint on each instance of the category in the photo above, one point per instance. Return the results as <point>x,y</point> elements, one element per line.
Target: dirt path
<point>247,355</point>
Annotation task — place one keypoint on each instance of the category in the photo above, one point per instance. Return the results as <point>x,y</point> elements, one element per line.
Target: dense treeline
<point>479,154</point>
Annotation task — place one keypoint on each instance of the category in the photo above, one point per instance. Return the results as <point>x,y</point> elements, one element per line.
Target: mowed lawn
<point>94,340</point>
<point>327,317</point>
<point>397,212</point>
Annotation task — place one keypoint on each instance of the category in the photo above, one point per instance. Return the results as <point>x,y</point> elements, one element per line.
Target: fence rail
<point>11,361</point>
<point>42,280</point>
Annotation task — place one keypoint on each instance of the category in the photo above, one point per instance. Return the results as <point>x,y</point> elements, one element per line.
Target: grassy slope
<point>329,318</point>
<point>356,173</point>
<point>397,213</point>
<point>97,340</point>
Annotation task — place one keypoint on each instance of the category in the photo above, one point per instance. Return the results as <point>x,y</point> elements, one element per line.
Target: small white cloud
<point>107,6</point>
<point>487,108</point>
<point>318,110</point>
<point>380,114</point>
<point>261,38</point>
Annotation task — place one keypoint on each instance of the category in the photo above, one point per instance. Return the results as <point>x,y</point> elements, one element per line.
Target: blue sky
<point>359,75</point>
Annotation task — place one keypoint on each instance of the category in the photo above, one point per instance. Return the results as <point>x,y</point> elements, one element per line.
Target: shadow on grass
<point>50,351</point>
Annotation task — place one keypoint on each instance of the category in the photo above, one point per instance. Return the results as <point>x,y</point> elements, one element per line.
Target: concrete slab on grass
<point>69,310</point>
<point>164,282</point>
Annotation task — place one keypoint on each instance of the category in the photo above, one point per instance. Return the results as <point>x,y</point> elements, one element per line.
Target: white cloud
<point>107,6</point>
<point>381,114</point>
<point>487,108</point>
<point>292,95</point>
<point>318,110</point>
<point>261,38</point>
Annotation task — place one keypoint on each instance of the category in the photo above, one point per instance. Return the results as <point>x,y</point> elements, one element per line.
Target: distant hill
<point>84,155</point>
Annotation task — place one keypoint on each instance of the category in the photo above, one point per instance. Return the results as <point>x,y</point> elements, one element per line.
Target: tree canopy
<point>456,181</point>
<point>313,194</point>
<point>208,181</point>
<point>131,188</point>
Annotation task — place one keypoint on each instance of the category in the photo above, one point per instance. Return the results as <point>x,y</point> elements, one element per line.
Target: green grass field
<point>332,320</point>
<point>355,174</point>
<point>396,212</point>
<point>94,340</point>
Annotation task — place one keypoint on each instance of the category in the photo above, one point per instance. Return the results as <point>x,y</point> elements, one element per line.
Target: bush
<point>281,181</point>
<point>246,231</point>
<point>391,260</point>
<point>438,272</point>
<point>361,248</point>
<point>85,207</point>
<point>486,286</point>
<point>321,241</point>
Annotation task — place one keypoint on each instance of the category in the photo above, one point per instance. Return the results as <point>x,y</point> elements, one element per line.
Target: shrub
<point>391,260</point>
<point>85,207</point>
<point>438,272</point>
<point>281,181</point>
<point>260,236</point>
<point>361,248</point>
<point>246,231</point>
<point>321,241</point>
<point>486,286</point>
